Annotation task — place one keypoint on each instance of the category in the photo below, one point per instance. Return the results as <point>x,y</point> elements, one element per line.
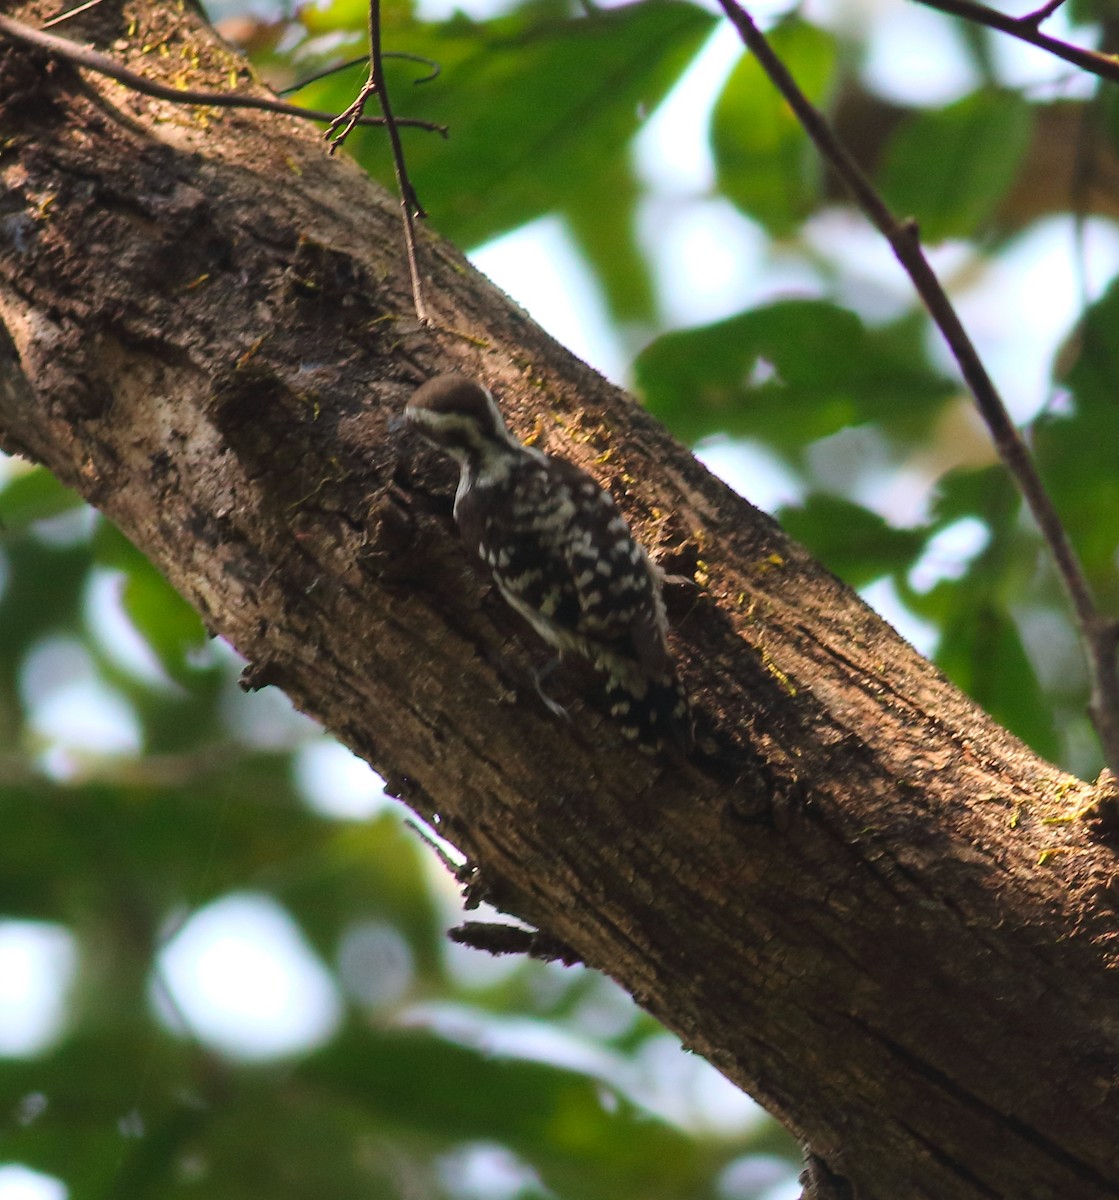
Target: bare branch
<point>326,72</point>
<point>410,206</point>
<point>70,13</point>
<point>92,60</point>
<point>1043,13</point>
<point>1099,634</point>
<point>1106,66</point>
<point>343,125</point>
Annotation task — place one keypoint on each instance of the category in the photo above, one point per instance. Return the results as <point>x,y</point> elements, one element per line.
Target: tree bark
<point>863,901</point>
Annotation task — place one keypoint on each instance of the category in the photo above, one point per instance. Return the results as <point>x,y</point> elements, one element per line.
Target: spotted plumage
<point>562,555</point>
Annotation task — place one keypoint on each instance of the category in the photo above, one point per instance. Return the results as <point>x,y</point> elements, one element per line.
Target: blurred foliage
<point>950,168</point>
<point>789,374</point>
<point>542,109</point>
<point>121,849</point>
<point>766,163</point>
<point>120,843</point>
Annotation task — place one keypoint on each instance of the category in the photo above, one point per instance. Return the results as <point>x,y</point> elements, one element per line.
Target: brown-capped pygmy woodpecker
<point>562,555</point>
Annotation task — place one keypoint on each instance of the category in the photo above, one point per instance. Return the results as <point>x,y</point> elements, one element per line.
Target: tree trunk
<point>863,901</point>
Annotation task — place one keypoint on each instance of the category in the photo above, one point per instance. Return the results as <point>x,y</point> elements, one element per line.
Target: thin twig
<point>454,869</point>
<point>410,206</point>
<point>1026,28</point>
<point>326,72</point>
<point>69,13</point>
<point>1099,634</point>
<point>92,60</point>
<point>1041,14</point>
<point>342,126</point>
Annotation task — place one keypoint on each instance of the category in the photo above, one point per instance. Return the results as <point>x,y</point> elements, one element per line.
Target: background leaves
<point>141,790</point>
<point>950,168</point>
<point>765,161</point>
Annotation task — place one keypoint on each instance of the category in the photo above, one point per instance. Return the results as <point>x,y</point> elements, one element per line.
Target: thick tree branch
<point>1099,635</point>
<point>856,901</point>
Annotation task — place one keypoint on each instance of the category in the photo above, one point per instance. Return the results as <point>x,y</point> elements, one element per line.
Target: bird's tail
<point>652,711</point>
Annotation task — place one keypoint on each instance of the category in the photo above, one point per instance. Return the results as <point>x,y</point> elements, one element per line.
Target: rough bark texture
<point>864,902</point>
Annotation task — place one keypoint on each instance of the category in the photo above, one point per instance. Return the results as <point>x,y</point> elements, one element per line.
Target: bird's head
<point>461,417</point>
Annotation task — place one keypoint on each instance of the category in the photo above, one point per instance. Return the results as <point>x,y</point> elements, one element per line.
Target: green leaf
<point>982,653</point>
<point>986,493</point>
<point>370,870</point>
<point>161,616</point>
<point>950,168</point>
<point>168,624</point>
<point>146,840</point>
<point>787,374</point>
<point>585,1140</point>
<point>1090,363</point>
<point>1078,450</point>
<point>855,543</point>
<point>600,217</point>
<point>42,595</point>
<point>765,161</point>
<point>980,646</point>
<point>33,495</point>
<point>1086,12</point>
<point>538,102</point>
<point>1001,572</point>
